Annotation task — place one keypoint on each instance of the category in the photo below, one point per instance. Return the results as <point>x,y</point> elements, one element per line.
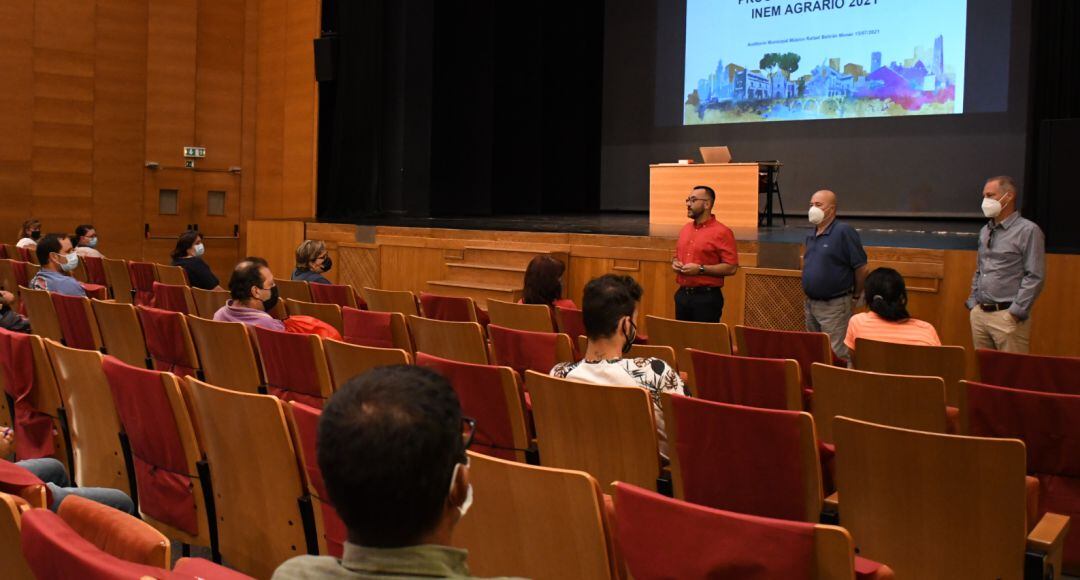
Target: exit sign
<point>194,151</point>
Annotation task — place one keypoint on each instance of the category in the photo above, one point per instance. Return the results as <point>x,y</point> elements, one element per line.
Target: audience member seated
<point>55,477</point>
<point>392,454</point>
<point>252,295</point>
<point>188,255</point>
<point>57,259</point>
<point>311,262</point>
<point>543,283</point>
<point>609,309</point>
<point>29,235</point>
<point>888,319</point>
<point>9,319</point>
<point>86,241</point>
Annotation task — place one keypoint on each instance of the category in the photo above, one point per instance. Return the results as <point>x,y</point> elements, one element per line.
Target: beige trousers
<point>999,331</point>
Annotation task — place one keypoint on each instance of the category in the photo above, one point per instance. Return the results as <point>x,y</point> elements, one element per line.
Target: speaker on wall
<point>325,58</point>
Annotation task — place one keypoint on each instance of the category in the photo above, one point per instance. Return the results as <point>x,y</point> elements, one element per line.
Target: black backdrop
<point>461,107</point>
<point>457,107</point>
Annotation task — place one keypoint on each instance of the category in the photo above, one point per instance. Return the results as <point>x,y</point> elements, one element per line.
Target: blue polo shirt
<point>57,282</point>
<point>830,261</point>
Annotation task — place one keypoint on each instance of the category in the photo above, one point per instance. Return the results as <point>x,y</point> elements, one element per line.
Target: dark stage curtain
<point>1050,197</point>
<point>350,112</point>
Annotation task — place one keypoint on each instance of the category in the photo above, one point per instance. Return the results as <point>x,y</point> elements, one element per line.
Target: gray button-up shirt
<point>1011,266</point>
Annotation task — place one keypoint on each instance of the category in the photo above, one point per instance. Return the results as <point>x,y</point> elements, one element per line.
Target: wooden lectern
<point>736,186</point>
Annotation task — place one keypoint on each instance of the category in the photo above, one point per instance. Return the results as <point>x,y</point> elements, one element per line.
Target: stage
<point>898,233</point>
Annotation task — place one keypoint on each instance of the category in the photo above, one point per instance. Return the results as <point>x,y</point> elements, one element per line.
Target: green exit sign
<point>195,152</point>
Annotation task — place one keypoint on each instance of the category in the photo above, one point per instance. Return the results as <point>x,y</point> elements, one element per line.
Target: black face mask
<point>36,234</point>
<point>327,264</point>
<point>630,337</point>
<point>271,302</point>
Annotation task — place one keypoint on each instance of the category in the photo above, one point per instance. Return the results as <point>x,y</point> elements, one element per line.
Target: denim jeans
<point>54,475</point>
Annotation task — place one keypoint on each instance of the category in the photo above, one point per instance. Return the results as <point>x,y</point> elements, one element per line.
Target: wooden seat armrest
<point>1048,535</point>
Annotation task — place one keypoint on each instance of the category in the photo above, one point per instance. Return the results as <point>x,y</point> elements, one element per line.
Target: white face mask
<point>816,215</point>
<point>199,249</point>
<point>991,207</point>
<point>92,242</point>
<point>72,262</point>
<point>465,505</point>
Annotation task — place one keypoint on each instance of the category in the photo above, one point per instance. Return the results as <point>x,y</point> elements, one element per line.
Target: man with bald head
<point>834,268</point>
<point>1009,274</point>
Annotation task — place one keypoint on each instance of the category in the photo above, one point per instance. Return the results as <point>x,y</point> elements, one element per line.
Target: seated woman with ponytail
<point>888,319</point>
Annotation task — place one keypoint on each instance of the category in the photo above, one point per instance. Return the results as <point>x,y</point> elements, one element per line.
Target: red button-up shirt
<point>710,243</point>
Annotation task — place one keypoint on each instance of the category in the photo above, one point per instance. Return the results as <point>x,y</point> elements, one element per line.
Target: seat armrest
<point>832,503</point>
<point>1048,537</point>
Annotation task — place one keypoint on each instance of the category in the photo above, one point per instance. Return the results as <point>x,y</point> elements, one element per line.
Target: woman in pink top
<point>543,284</point>
<point>888,319</point>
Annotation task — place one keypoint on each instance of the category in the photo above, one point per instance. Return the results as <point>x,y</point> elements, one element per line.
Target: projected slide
<point>787,60</point>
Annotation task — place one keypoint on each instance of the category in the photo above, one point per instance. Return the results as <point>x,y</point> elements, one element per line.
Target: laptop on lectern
<point>716,154</point>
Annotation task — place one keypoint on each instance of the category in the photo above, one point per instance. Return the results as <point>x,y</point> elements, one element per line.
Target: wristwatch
<point>701,269</point>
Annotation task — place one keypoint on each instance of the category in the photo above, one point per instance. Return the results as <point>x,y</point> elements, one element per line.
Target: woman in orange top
<point>888,319</point>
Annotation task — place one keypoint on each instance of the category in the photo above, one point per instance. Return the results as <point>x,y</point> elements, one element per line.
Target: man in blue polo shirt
<point>57,259</point>
<point>834,268</point>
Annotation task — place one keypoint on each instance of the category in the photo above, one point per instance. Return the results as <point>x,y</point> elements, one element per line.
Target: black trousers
<point>701,304</point>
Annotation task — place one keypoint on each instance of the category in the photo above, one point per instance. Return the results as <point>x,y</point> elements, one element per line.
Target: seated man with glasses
<point>610,309</point>
<point>253,295</point>
<point>391,447</point>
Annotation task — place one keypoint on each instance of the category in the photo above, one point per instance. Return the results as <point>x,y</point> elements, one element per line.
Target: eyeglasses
<point>693,199</point>
<point>468,430</point>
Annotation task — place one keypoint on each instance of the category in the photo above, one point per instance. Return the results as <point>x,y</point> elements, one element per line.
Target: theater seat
<point>1050,374</point>
<point>115,532</point>
<point>523,350</point>
<point>768,383</point>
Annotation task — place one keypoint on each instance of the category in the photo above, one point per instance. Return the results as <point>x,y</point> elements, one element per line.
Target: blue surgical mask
<point>199,249</point>
<point>92,242</point>
<point>71,263</point>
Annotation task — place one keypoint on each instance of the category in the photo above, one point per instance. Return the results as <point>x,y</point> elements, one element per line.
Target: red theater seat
<point>1049,374</point>
<point>168,340</point>
<point>142,282</point>
<point>294,366</point>
<point>77,321</point>
<point>173,297</point>
<point>806,348</point>
<point>768,383</point>
<point>306,421</point>
<point>523,350</point>
<point>340,294</point>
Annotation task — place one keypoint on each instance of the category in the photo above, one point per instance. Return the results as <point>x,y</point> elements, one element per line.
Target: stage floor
<point>930,234</point>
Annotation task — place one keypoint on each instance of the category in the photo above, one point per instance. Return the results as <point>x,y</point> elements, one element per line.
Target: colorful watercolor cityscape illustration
<point>782,87</point>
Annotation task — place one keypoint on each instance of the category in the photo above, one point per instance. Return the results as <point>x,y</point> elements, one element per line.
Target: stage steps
<point>485,272</point>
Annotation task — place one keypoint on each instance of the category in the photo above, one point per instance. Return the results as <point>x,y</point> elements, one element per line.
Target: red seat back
<point>739,458</point>
<point>171,297</point>
<point>142,281</point>
<point>339,294</point>
<point>570,321</point>
<point>662,537</point>
<point>1049,426</point>
<point>289,366</point>
<point>367,328</point>
<point>450,308</point>
<point>523,350</point>
<point>1050,374</point>
<point>740,380</point>
<point>26,255</point>
<point>95,270</point>
<point>307,423</point>
<point>54,550</point>
<point>15,479</point>
<point>806,348</point>
<point>22,275</point>
<point>169,341</point>
<point>95,290</point>
<point>161,467</point>
<point>33,428</point>
<point>480,390</point>
<point>75,322</point>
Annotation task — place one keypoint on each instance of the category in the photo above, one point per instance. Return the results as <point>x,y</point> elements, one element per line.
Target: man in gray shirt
<point>1009,274</point>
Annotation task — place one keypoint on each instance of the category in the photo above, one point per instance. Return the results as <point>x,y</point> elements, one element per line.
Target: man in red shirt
<point>704,254</point>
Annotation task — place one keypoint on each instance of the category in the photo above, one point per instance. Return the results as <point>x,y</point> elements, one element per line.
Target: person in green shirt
<point>391,447</point>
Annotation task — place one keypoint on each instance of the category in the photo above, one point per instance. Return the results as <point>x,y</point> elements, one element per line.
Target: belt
<point>994,306</point>
<point>693,289</point>
<point>848,293</point>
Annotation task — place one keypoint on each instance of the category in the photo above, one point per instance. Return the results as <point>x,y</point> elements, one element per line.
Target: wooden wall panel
<point>16,114</point>
<point>219,82</point>
<point>275,241</point>
<point>119,126</point>
<point>269,123</point>
<point>62,163</point>
<point>170,80</point>
<point>300,109</point>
